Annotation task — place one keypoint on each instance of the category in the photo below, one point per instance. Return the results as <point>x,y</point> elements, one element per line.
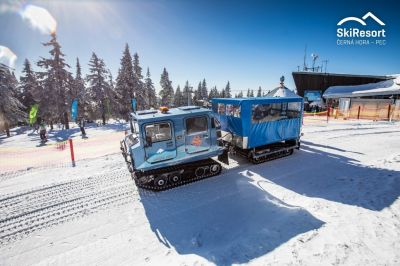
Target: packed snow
<point>335,201</point>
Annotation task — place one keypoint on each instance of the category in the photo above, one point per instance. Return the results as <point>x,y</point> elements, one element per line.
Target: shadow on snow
<point>320,174</point>
<point>229,219</point>
<point>225,219</point>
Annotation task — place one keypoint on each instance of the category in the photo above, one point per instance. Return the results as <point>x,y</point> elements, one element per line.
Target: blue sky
<point>249,43</point>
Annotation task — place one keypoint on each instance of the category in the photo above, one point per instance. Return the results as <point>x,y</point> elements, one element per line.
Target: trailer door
<point>197,135</point>
<point>159,142</point>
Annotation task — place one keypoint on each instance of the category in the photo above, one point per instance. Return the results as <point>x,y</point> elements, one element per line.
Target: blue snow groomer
<point>262,128</point>
<point>169,147</point>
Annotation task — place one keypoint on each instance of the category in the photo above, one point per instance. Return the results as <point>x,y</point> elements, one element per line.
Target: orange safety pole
<point>327,114</point>
<point>358,114</point>
<point>388,116</point>
<point>71,146</point>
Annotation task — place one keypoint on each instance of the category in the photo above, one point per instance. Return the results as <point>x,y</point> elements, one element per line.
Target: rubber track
<point>271,157</point>
<point>188,167</point>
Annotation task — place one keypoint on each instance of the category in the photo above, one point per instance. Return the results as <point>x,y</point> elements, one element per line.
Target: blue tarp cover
<point>259,133</point>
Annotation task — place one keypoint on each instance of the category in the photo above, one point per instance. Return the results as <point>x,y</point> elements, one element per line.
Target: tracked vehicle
<point>260,129</point>
<point>171,147</point>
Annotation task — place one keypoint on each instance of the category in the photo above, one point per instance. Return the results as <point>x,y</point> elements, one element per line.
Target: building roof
<point>257,100</point>
<point>282,91</point>
<point>386,87</point>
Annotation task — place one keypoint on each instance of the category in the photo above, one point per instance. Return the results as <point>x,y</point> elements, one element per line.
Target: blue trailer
<point>262,128</point>
<point>170,147</point>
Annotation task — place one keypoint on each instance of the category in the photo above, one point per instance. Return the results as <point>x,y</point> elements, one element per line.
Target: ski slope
<point>336,201</point>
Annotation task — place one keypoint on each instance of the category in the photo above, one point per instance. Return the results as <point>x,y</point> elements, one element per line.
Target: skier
<point>42,129</point>
<point>82,124</point>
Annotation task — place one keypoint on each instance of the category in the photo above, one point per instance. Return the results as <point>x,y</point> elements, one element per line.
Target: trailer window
<point>233,110</point>
<point>159,132</point>
<point>221,108</point>
<point>268,112</point>
<point>196,124</point>
<point>294,110</point>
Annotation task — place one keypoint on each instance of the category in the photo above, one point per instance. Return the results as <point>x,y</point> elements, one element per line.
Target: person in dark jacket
<point>42,131</point>
<point>82,124</point>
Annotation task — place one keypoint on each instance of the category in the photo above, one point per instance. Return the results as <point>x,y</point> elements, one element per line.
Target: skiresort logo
<point>375,34</point>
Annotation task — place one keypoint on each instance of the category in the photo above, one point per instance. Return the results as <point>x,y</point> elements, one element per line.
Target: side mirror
<point>149,142</point>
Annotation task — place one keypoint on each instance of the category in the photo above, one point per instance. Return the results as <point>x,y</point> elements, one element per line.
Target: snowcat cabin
<point>168,138</point>
<point>260,128</point>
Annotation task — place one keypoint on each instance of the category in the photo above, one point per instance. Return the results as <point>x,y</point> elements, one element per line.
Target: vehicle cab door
<point>197,134</point>
<point>159,141</point>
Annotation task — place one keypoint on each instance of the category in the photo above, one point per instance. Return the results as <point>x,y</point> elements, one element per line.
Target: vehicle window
<point>269,112</point>
<point>221,108</point>
<point>215,107</point>
<point>196,125</point>
<point>159,132</point>
<point>294,110</point>
<point>233,110</point>
<point>131,140</point>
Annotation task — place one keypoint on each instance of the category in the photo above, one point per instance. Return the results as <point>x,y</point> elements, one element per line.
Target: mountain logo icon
<point>362,21</point>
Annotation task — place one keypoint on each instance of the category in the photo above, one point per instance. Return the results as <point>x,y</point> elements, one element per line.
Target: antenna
<point>314,58</point>
<point>326,64</point>
<point>304,61</point>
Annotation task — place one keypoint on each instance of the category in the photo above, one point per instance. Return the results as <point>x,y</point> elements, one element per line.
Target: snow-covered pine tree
<point>251,93</point>
<point>222,93</point>
<point>167,91</point>
<point>79,92</point>
<point>187,93</point>
<point>240,94</point>
<point>150,90</point>
<point>197,95</point>
<point>259,92</point>
<point>204,90</point>
<point>56,82</point>
<point>213,93</point>
<point>98,87</point>
<point>248,93</point>
<point>139,89</point>
<point>28,85</point>
<point>125,84</point>
<point>178,98</point>
<point>227,91</point>
<point>11,109</point>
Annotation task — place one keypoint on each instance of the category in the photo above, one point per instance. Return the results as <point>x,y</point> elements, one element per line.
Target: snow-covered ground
<point>335,201</point>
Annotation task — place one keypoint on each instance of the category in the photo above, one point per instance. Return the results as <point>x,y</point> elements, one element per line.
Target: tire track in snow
<point>29,211</point>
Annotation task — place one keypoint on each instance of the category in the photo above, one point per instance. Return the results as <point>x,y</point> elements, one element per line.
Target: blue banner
<point>134,105</point>
<point>74,110</point>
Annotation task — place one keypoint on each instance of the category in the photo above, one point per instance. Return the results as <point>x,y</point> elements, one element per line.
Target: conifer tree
<point>56,82</point>
<point>187,93</point>
<point>204,90</point>
<point>178,99</point>
<point>167,92</point>
<point>150,91</point>
<point>98,87</point>
<point>79,92</point>
<point>139,88</point>
<point>227,91</point>
<point>213,93</point>
<point>11,109</point>
<point>126,84</point>
<point>28,86</point>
